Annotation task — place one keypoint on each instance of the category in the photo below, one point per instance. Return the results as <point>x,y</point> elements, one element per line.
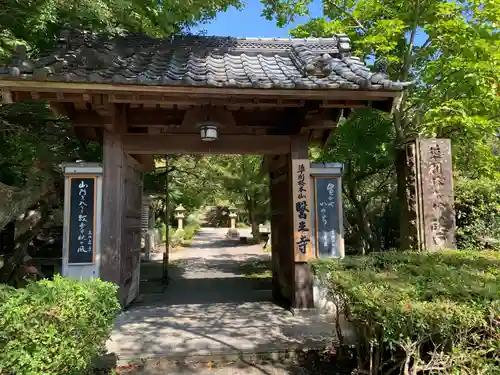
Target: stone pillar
<point>429,196</point>
<point>179,215</point>
<point>232,217</point>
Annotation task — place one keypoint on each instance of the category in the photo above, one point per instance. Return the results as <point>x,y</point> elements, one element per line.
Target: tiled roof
<point>202,61</point>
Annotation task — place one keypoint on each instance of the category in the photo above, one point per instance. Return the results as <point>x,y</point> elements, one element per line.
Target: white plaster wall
<point>325,305</point>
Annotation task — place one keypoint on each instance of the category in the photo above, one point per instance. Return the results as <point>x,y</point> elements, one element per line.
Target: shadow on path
<point>211,305</point>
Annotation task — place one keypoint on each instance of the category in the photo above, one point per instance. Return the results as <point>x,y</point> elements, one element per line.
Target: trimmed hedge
<point>477,207</point>
<point>420,313</point>
<point>55,327</point>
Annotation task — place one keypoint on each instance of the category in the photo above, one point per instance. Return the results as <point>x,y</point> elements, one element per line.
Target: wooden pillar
<point>113,201</point>
<point>114,165</point>
<point>301,222</point>
<point>281,230</point>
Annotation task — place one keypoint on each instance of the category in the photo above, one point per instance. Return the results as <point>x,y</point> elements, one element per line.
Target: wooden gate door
<point>131,259</point>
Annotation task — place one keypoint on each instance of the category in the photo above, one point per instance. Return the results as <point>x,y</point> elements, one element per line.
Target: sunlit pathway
<point>212,307</point>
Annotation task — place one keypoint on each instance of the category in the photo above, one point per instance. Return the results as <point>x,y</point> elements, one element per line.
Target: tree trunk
<point>404,234</point>
<point>14,202</point>
<point>250,203</point>
<point>7,235</point>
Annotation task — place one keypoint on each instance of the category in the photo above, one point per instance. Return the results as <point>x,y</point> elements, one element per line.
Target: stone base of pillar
<point>233,234</point>
<point>303,287</point>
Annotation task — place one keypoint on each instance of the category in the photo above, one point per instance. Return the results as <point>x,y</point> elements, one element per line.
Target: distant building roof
<point>201,61</point>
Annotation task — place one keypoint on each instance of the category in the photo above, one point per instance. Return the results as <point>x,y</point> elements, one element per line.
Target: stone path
<point>211,308</point>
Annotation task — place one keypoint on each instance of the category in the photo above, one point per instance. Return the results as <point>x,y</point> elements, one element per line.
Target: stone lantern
<point>233,215</point>
<point>179,215</point>
<point>233,232</point>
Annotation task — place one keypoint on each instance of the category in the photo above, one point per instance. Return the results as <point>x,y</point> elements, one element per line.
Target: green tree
<point>455,69</point>
<point>243,183</point>
<point>33,141</point>
<point>190,183</point>
<point>368,181</point>
<point>37,23</point>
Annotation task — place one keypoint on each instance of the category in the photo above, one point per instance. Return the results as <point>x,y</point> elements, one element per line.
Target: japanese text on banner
<point>302,210</point>
<point>84,232</point>
<point>324,206</point>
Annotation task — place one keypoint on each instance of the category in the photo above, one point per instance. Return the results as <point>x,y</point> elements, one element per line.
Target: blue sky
<point>249,23</point>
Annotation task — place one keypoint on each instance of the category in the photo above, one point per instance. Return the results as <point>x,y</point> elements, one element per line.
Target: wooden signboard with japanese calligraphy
<point>301,210</point>
<point>82,220</point>
<point>327,199</point>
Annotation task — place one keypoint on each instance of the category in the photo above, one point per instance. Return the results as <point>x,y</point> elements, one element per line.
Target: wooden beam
<point>192,144</point>
<point>62,109</point>
<point>215,92</point>
<point>145,163</point>
<point>88,118</point>
<point>118,119</point>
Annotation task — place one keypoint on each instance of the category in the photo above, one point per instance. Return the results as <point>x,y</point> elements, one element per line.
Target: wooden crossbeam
<point>192,144</point>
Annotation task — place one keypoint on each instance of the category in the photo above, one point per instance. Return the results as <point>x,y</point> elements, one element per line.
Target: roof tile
<point>201,61</point>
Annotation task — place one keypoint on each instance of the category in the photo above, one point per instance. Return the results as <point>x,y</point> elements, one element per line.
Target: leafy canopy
<point>451,50</point>
<point>38,22</point>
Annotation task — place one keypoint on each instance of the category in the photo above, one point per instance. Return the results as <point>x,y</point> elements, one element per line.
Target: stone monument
<point>430,215</point>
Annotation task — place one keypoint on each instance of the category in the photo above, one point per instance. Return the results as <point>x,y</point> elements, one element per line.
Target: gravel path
<point>211,306</point>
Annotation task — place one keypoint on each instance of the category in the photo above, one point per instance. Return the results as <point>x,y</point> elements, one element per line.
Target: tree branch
<point>348,14</point>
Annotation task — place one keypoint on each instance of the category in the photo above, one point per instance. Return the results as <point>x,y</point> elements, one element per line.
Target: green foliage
<point>421,312</point>
<point>37,23</point>
<point>190,183</point>
<point>257,269</point>
<point>33,144</point>
<point>190,231</point>
<point>162,228</point>
<point>55,327</point>
<point>244,185</point>
<point>222,180</point>
<point>368,178</point>
<point>455,68</point>
<point>177,238</point>
<point>477,207</point>
<point>451,51</point>
<point>193,223</point>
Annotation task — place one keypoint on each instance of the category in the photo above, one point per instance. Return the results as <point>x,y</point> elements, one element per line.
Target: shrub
<point>55,327</point>
<point>177,237</point>
<point>190,231</point>
<point>182,236</point>
<point>162,228</point>
<point>477,206</point>
<point>420,313</point>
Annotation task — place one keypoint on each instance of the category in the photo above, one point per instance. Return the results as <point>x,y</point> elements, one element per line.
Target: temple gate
<point>141,96</point>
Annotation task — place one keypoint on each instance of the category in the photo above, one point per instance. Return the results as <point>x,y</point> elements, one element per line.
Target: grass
<point>258,269</point>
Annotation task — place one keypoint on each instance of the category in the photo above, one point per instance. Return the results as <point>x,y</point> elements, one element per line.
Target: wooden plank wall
<point>131,259</point>
<point>121,225</point>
